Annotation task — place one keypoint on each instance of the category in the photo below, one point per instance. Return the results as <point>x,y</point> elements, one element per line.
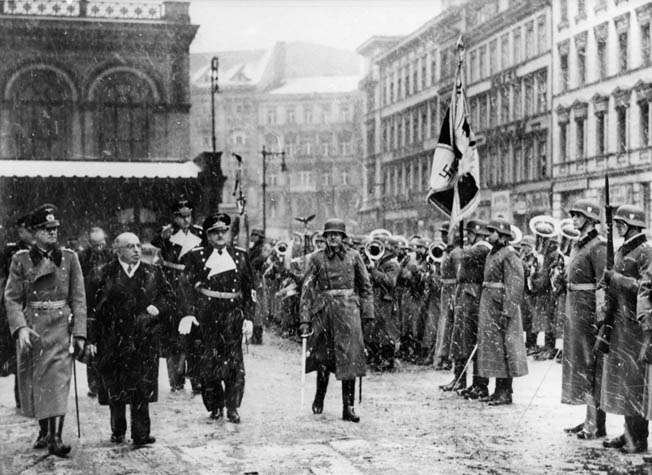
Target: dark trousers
<point>176,363</point>
<point>636,431</point>
<point>140,421</point>
<point>92,377</point>
<point>227,392</point>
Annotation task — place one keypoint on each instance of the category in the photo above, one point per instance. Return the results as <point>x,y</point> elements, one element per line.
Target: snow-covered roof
<point>242,73</point>
<point>96,168</point>
<point>318,84</point>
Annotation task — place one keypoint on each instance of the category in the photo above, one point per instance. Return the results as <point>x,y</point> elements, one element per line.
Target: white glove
<point>152,310</point>
<point>186,324</point>
<point>248,329</point>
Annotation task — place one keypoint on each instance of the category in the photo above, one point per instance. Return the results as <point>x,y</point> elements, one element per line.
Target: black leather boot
<point>322,386</point>
<point>257,337</point>
<point>348,398</point>
<point>42,438</point>
<point>55,445</point>
<point>459,378</point>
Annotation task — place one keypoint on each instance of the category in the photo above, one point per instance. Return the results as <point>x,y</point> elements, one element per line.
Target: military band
<point>377,302</point>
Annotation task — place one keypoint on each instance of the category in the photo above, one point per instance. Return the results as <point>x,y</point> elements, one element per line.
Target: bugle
<point>374,250</point>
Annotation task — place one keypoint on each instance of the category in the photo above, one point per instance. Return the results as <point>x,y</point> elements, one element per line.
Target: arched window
<point>41,117</point>
<point>124,102</point>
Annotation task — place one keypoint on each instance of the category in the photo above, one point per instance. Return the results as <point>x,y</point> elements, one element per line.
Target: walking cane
<point>360,393</point>
<point>71,350</point>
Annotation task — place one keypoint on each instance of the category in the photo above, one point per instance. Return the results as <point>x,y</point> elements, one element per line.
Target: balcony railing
<point>84,9</point>
<point>601,163</point>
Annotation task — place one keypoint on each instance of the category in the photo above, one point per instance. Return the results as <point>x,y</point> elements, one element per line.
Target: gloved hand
<point>247,329</point>
<point>152,310</point>
<point>25,337</point>
<point>186,323</point>
<point>304,329</point>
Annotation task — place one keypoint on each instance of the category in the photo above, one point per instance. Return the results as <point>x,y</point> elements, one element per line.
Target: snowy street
<point>408,426</point>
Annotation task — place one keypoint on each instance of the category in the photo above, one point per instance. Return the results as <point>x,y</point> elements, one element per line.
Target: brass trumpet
<point>569,235</point>
<point>374,250</point>
<point>281,248</point>
<point>436,252</point>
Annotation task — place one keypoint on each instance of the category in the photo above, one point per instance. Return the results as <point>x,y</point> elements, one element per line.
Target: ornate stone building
<point>601,102</point>
<point>95,111</point>
<point>296,98</point>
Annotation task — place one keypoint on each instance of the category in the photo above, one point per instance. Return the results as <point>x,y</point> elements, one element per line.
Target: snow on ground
<point>408,426</point>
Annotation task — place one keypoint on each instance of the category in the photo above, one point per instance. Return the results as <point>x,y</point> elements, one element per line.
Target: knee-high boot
<point>348,398</point>
<point>42,439</point>
<point>322,386</point>
<point>55,445</point>
<point>459,378</point>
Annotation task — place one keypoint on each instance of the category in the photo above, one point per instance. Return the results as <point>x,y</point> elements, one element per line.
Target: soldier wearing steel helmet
<point>501,349</point>
<point>336,301</point>
<point>581,367</point>
<point>623,377</point>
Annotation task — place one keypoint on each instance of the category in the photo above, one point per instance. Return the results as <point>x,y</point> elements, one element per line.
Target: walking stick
<point>468,362</point>
<point>360,393</point>
<point>71,350</point>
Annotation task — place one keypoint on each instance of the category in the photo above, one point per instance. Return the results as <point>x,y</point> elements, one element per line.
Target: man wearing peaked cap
<point>625,387</point>
<point>501,349</point>
<point>175,240</point>
<point>582,369</point>
<point>218,299</point>
<point>44,288</point>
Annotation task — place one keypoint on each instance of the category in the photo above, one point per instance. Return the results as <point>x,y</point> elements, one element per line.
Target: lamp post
<point>215,64</point>
<point>266,154</point>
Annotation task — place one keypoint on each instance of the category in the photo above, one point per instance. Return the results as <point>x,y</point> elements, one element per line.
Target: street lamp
<point>266,154</point>
<point>215,64</point>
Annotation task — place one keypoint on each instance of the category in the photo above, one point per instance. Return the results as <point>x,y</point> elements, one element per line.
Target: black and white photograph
<point>327,237</point>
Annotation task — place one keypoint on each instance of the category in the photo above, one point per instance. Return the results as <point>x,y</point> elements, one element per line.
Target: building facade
<point>299,103</point>
<point>601,101</point>
<point>94,114</point>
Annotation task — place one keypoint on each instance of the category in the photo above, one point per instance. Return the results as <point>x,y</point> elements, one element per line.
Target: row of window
<point>411,126</point>
<point>405,176</point>
<point>514,100</point>
<point>511,159</point>
<point>308,114</point>
<point>511,48</point>
<point>306,178</point>
<point>575,143</point>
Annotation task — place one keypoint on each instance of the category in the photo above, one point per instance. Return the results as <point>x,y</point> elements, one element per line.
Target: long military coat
<point>385,330</point>
<point>44,373</point>
<point>447,302</point>
<point>126,336</point>
<point>501,348</point>
<point>173,251</point>
<point>7,342</point>
<point>543,311</point>
<point>643,309</point>
<point>430,312</point>
<point>581,370</point>
<point>336,296</point>
<point>623,376</point>
<point>467,300</point>
<point>220,319</point>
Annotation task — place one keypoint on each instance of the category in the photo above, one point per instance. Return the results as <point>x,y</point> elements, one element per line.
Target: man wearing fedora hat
<point>219,295</point>
<point>175,240</point>
<point>501,349</point>
<point>336,298</point>
<point>44,291</point>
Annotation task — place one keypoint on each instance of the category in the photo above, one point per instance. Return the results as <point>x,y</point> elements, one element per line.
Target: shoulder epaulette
<point>65,249</point>
<point>198,248</point>
<point>22,251</point>
<point>237,248</point>
<point>198,227</point>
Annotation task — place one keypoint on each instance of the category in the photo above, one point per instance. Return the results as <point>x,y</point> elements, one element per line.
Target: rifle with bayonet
<point>605,311</point>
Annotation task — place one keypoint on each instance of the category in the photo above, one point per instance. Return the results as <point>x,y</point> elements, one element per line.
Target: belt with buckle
<point>45,304</point>
<point>219,295</point>
<point>172,265</point>
<point>587,286</point>
<point>339,291</point>
<point>493,285</point>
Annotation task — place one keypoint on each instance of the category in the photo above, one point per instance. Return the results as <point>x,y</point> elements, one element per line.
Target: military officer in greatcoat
<point>46,308</point>
<point>581,366</point>
<point>623,377</point>
<point>501,348</point>
<point>219,291</point>
<point>175,241</point>
<point>7,343</point>
<point>467,303</point>
<point>336,301</point>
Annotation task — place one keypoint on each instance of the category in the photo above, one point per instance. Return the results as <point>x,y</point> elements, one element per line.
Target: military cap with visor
<point>217,221</point>
<point>181,205</point>
<point>44,217</point>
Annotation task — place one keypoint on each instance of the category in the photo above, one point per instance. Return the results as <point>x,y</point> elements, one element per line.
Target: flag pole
<point>457,89</point>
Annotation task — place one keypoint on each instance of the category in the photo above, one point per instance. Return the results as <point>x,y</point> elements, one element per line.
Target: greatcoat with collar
<point>126,336</point>
<point>623,376</point>
<point>336,296</point>
<point>501,348</point>
<point>448,273</point>
<point>44,372</point>
<point>581,369</point>
<point>385,329</point>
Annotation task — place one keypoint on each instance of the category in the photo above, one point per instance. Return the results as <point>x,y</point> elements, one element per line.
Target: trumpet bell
<point>517,235</point>
<point>569,235</point>
<point>374,250</point>
<point>281,248</point>
<point>544,226</point>
<point>436,252</point>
